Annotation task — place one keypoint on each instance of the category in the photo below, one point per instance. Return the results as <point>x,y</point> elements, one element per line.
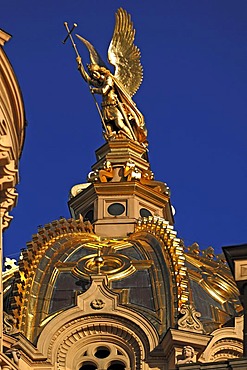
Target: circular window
<point>102,352</point>
<point>116,209</point>
<point>145,212</point>
<point>89,216</point>
<point>103,355</point>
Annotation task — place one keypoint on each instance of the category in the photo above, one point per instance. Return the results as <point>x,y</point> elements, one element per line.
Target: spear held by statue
<point>79,60</point>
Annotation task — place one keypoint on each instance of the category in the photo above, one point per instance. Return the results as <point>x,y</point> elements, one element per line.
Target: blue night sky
<point>193,97</point>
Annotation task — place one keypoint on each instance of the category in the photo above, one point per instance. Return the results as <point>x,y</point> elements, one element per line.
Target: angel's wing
<point>94,55</point>
<point>124,55</point>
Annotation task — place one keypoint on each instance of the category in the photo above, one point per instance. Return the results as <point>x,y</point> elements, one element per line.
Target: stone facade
<point>12,132</point>
<point>91,295</point>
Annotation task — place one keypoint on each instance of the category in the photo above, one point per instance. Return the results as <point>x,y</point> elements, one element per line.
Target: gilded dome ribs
<point>174,248</point>
<point>35,262</point>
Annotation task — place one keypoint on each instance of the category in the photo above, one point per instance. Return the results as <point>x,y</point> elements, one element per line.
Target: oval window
<point>89,216</point>
<point>145,212</point>
<point>116,209</point>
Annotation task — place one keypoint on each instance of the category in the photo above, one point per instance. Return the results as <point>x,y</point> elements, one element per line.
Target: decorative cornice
<point>8,180</point>
<point>7,363</point>
<point>8,199</point>
<point>12,132</point>
<point>208,253</point>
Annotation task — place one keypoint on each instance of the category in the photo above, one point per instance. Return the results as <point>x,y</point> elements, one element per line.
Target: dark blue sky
<point>193,97</point>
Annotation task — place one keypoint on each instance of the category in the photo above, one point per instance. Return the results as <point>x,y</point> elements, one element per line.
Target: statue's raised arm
<point>118,111</point>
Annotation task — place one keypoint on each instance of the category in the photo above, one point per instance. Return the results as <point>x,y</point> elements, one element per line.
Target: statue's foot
<point>110,136</point>
<point>121,132</point>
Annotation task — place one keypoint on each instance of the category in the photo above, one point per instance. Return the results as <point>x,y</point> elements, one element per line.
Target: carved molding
<point>82,322</point>
<point>226,343</point>
<point>12,130</point>
<point>9,324</point>
<point>8,180</point>
<point>8,199</point>
<point>97,304</point>
<point>114,353</point>
<point>226,349</point>
<point>99,330</point>
<point>6,363</point>
<point>190,319</point>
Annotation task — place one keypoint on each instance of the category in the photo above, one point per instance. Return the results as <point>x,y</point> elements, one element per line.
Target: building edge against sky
<point>12,131</point>
<point>114,287</point>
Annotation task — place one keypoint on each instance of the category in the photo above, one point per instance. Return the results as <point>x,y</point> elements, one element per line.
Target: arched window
<point>116,365</point>
<point>88,366</point>
<point>104,356</point>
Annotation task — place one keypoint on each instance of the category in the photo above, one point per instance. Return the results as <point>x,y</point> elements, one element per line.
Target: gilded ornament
<point>209,253</point>
<point>106,173</point>
<point>93,176</point>
<point>174,248</point>
<point>147,178</point>
<point>194,248</point>
<point>119,114</point>
<point>131,171</point>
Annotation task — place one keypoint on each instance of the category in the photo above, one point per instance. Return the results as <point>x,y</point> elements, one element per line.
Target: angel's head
<point>98,72</point>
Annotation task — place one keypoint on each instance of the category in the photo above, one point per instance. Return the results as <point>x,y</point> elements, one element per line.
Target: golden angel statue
<point>119,113</point>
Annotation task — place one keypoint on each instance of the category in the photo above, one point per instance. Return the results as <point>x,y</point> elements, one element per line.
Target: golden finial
<point>99,261</point>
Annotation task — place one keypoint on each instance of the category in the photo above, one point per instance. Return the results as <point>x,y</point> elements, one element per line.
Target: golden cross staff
<point>69,35</point>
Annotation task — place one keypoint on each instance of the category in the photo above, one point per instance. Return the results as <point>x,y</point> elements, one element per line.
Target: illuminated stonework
<point>113,287</point>
<point>12,130</point>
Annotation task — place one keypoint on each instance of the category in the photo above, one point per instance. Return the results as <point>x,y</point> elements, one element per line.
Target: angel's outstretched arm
<point>82,70</point>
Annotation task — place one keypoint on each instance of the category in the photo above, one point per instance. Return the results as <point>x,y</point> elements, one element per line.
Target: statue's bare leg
<point>121,125</point>
<point>110,132</point>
